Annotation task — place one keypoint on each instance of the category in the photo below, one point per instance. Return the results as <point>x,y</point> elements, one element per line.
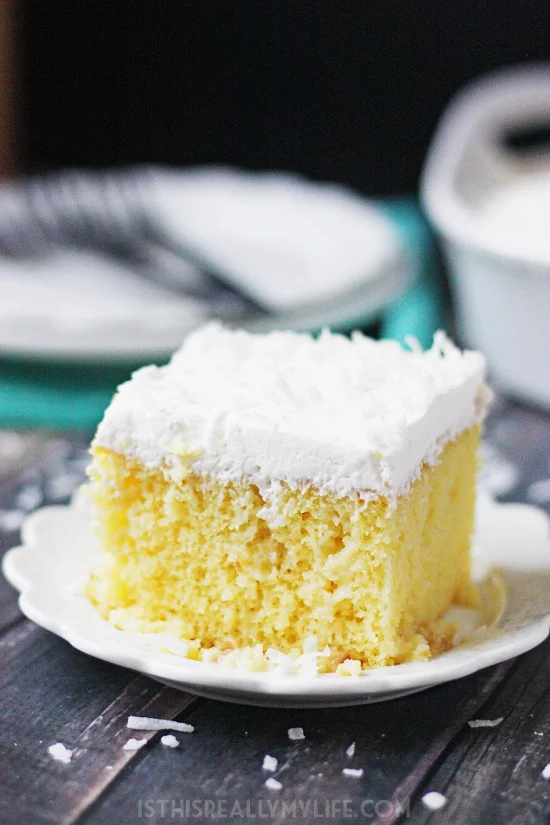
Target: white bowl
<point>502,294</point>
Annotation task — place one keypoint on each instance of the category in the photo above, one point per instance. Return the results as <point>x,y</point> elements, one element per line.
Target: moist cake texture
<point>277,498</point>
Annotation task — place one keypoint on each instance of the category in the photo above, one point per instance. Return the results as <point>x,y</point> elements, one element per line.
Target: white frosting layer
<point>342,415</point>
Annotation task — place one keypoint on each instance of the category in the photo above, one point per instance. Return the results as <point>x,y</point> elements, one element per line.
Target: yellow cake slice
<point>276,498</point>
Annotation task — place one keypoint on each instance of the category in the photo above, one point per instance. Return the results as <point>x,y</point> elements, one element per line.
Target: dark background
<point>349,91</point>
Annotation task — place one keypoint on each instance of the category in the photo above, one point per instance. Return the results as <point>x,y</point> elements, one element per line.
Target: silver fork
<point>107,212</point>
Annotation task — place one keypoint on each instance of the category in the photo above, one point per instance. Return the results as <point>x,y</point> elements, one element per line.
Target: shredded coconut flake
<point>273,784</point>
<point>134,744</point>
<point>62,486</point>
<point>497,475</point>
<point>169,741</point>
<point>11,444</point>
<point>351,750</point>
<point>306,664</point>
<point>349,667</point>
<point>539,491</point>
<point>29,497</point>
<point>150,723</point>
<point>11,520</point>
<point>269,763</point>
<point>358,414</point>
<point>413,344</point>
<point>60,753</point>
<point>434,800</point>
<point>310,644</point>
<point>485,723</point>
<point>356,772</point>
<point>546,772</point>
<point>296,733</point>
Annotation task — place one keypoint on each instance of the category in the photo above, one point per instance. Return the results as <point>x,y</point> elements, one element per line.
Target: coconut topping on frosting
<point>343,414</point>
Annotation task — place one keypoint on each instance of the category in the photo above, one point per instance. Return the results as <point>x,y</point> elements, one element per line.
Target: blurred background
<point>347,93</point>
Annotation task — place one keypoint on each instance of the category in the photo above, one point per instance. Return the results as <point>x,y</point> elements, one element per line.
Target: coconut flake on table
<point>497,475</point>
<point>28,498</point>
<point>11,520</point>
<point>169,741</point>
<point>357,773</point>
<point>485,723</point>
<point>60,753</point>
<point>434,800</point>
<point>539,491</point>
<point>11,444</point>
<point>273,784</point>
<point>150,723</point>
<point>546,772</point>
<point>351,750</point>
<point>294,734</point>
<point>269,763</point>
<point>62,486</point>
<point>134,744</point>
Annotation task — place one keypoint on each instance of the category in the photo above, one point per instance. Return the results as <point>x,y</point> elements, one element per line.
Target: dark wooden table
<point>50,692</point>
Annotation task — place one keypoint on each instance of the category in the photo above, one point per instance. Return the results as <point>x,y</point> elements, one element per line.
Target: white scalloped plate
<point>58,550</point>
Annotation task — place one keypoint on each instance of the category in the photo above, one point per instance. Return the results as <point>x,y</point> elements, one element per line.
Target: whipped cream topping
<point>344,415</point>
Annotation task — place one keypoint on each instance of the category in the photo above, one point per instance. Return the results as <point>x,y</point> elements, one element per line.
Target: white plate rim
<point>139,340</point>
<point>261,688</point>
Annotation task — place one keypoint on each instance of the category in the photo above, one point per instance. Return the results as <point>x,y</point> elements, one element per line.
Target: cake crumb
<point>351,750</point>
<point>485,723</point>
<point>269,763</point>
<point>150,723</point>
<point>134,744</point>
<point>169,741</point>
<point>273,784</point>
<point>349,667</point>
<point>60,753</point>
<point>296,733</point>
<point>434,800</point>
<point>356,772</point>
<point>546,772</point>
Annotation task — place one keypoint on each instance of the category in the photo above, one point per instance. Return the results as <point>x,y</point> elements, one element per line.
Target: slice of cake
<point>262,495</point>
